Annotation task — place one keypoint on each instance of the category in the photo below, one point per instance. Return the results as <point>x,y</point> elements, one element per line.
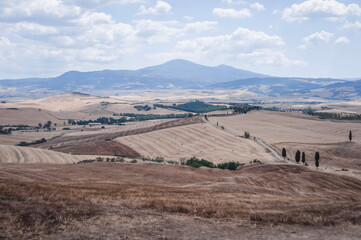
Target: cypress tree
<point>298,156</point>
<point>303,157</point>
<point>317,158</point>
<point>350,136</point>
<point>284,154</point>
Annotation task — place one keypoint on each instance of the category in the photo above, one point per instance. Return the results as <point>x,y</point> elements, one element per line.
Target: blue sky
<point>306,38</point>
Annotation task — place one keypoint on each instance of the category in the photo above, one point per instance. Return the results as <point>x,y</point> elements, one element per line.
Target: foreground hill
<point>111,201</point>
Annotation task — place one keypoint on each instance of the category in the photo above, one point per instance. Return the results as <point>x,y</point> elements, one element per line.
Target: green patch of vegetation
<point>195,106</point>
<point>143,108</point>
<point>196,163</point>
<point>66,128</point>
<point>23,143</point>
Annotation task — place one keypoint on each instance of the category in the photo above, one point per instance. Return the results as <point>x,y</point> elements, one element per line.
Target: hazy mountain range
<point>182,74</point>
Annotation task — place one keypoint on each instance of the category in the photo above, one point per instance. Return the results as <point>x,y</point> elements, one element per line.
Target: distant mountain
<point>344,90</point>
<point>170,75</point>
<point>188,71</point>
<point>178,74</point>
<point>276,86</point>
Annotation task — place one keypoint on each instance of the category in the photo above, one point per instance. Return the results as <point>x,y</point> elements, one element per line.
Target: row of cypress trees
<point>302,158</point>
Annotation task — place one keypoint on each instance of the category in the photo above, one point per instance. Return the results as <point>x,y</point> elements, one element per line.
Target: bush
<point>196,163</point>
<point>23,143</point>
<point>247,135</point>
<point>229,165</point>
<point>66,128</point>
<point>133,161</point>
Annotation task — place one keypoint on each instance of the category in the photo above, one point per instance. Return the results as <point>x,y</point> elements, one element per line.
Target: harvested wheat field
<point>296,131</point>
<point>13,154</point>
<point>199,140</point>
<point>142,201</point>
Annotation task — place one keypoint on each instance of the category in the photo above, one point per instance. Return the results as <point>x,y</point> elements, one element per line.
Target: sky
<point>294,38</point>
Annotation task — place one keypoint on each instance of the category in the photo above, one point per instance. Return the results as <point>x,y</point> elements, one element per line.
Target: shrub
<point>229,165</point>
<point>195,162</point>
<point>133,161</point>
<point>247,135</point>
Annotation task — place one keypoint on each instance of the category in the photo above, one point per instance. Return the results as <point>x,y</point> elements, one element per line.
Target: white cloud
<point>326,9</point>
<point>16,10</point>
<point>188,18</point>
<point>160,7</point>
<point>342,40</point>
<point>98,3</point>
<point>93,18</point>
<point>316,39</point>
<point>241,40</point>
<point>33,28</point>
<point>355,25</point>
<point>232,13</point>
<point>252,47</point>
<point>257,6</point>
<point>269,57</point>
<point>234,2</point>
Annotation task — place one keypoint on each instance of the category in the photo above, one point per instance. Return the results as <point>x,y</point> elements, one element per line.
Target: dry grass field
<point>200,140</point>
<point>296,131</point>
<point>13,154</point>
<point>119,201</point>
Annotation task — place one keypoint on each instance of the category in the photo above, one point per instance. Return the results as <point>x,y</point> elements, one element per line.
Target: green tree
<point>317,159</point>
<point>284,153</point>
<point>247,135</point>
<point>298,156</point>
<point>303,157</point>
<point>350,136</point>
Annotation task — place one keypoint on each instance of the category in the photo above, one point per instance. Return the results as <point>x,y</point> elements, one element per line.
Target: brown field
<point>13,154</point>
<point>103,144</point>
<point>106,200</point>
<point>69,106</point>
<point>296,131</point>
<point>200,140</point>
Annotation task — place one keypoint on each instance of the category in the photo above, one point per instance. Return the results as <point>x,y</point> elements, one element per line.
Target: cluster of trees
<point>337,116</point>
<point>145,117</point>
<point>194,106</point>
<point>47,125</point>
<point>23,143</point>
<point>244,108</point>
<point>143,108</point>
<point>196,163</point>
<point>5,131</point>
<point>302,157</point>
<point>128,117</point>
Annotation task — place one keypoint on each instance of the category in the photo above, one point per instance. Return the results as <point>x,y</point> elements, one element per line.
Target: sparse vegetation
<point>23,143</point>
